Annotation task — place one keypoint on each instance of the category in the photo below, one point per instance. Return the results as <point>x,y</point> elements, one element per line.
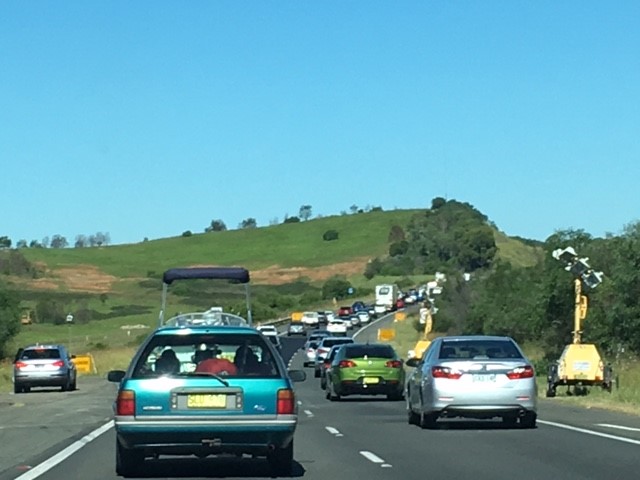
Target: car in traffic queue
<point>365,369</point>
<point>363,316</point>
<point>295,328</point>
<point>344,311</point>
<point>337,326</point>
<point>479,377</point>
<point>268,330</point>
<point>323,349</point>
<point>326,364</point>
<point>310,319</point>
<point>44,365</point>
<point>203,385</point>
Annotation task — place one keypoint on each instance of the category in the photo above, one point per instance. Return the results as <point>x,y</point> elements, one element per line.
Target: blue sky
<point>150,118</point>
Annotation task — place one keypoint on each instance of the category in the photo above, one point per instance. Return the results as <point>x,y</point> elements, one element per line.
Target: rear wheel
<point>509,420</point>
<point>128,461</point>
<point>316,373</point>
<point>428,420</point>
<point>17,388</point>
<point>528,420</point>
<point>323,383</point>
<point>412,417</point>
<point>281,460</point>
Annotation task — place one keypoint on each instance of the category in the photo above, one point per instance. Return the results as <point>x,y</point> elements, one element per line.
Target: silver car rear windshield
<point>479,349</point>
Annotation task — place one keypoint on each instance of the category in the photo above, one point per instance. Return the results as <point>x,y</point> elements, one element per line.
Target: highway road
<point>355,438</point>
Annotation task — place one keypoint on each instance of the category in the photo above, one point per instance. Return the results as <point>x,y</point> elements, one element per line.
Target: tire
<point>281,461</point>
<point>427,421</point>
<point>323,383</point>
<point>412,417</point>
<point>528,420</point>
<point>128,461</point>
<point>316,373</point>
<point>395,396</point>
<point>509,420</point>
<point>17,388</point>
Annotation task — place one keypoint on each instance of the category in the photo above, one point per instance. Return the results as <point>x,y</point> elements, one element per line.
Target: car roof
<point>458,338</point>
<point>198,329</point>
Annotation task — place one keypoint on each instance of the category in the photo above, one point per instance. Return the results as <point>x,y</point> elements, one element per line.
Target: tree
<point>291,219</point>
<point>21,244</point>
<point>9,318</point>
<point>187,233</point>
<point>396,234</point>
<point>81,241</point>
<point>45,242</point>
<point>216,226</point>
<point>102,238</point>
<point>58,241</point>
<point>353,208</point>
<point>5,242</point>
<point>305,212</point>
<point>248,223</point>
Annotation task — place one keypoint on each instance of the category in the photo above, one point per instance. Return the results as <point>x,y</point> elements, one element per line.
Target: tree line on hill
<point>533,304</point>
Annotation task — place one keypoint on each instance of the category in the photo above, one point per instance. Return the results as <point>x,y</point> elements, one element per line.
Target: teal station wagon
<point>205,383</point>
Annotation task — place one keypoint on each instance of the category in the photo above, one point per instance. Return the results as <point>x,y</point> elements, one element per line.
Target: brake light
<point>58,363</point>
<point>446,372</point>
<point>20,364</point>
<point>346,364</point>
<point>520,372</point>
<point>126,403</point>
<point>286,402</point>
<point>322,350</point>
<point>393,364</point>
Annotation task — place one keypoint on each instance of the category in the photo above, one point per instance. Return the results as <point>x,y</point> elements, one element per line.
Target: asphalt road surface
<point>358,437</point>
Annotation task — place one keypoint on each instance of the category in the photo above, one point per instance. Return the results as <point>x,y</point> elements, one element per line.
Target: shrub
<point>330,235</point>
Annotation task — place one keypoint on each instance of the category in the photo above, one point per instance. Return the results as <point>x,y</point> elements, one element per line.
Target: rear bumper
<point>204,438</point>
<point>57,380</point>
<point>383,387</point>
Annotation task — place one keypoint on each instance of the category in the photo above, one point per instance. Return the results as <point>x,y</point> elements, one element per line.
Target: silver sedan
<point>475,377</point>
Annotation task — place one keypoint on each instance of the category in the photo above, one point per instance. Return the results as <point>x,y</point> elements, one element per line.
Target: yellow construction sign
<point>399,316</point>
<point>386,334</point>
<point>85,363</point>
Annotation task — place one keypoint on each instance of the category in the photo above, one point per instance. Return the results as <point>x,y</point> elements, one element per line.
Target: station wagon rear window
<point>239,356</point>
<point>40,354</point>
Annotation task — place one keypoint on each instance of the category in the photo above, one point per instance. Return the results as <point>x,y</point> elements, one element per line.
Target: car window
<point>330,342</point>
<point>479,349</point>
<point>377,351</point>
<point>232,355</point>
<point>40,354</point>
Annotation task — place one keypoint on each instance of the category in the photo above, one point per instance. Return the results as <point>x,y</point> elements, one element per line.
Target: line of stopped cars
<point>472,377</point>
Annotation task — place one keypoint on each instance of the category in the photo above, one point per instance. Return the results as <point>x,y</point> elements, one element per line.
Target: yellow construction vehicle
<point>580,366</point>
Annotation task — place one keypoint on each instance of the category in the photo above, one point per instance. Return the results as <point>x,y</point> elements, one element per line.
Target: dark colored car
<point>366,369</point>
<point>205,384</point>
<point>44,366</point>
<point>296,328</point>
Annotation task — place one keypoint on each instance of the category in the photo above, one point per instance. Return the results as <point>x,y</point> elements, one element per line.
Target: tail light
<point>126,403</point>
<point>520,372</point>
<point>346,364</point>
<point>327,363</point>
<point>20,364</point>
<point>58,363</point>
<point>286,402</point>
<point>320,351</point>
<point>446,372</point>
<point>393,364</point>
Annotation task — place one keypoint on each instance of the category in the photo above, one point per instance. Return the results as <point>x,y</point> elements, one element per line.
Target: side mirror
<point>115,376</point>
<point>412,362</point>
<point>297,375</point>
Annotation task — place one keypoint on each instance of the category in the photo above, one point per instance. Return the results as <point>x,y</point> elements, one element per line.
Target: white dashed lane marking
<point>372,457</point>
<point>333,431</point>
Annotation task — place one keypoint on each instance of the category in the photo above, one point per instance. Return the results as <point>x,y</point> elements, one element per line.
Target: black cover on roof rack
<point>237,274</point>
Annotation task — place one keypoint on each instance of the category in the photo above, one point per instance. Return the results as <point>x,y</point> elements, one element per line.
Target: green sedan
<point>366,369</point>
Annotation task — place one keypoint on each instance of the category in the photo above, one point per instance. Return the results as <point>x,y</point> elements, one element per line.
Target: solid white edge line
<point>619,427</point>
<point>372,457</point>
<point>59,457</point>
<point>332,431</point>
<point>590,432</point>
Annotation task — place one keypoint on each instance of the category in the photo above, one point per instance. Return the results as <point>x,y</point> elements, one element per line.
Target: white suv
<point>310,319</point>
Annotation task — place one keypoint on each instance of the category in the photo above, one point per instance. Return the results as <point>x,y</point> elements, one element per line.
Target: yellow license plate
<point>371,380</point>
<point>207,400</point>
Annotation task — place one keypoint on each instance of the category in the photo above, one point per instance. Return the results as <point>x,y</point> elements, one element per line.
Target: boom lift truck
<point>580,365</point>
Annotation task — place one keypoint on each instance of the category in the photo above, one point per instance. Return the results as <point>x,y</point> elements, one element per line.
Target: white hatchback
<point>337,327</point>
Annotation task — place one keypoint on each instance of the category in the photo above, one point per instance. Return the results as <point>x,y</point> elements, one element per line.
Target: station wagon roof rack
<point>213,316</point>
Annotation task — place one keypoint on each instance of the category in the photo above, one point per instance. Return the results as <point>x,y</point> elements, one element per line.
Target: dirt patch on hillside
<point>276,275</point>
<point>77,278</point>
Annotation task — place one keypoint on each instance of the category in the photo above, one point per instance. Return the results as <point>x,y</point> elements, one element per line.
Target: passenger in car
<point>217,365</point>
<point>168,362</point>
